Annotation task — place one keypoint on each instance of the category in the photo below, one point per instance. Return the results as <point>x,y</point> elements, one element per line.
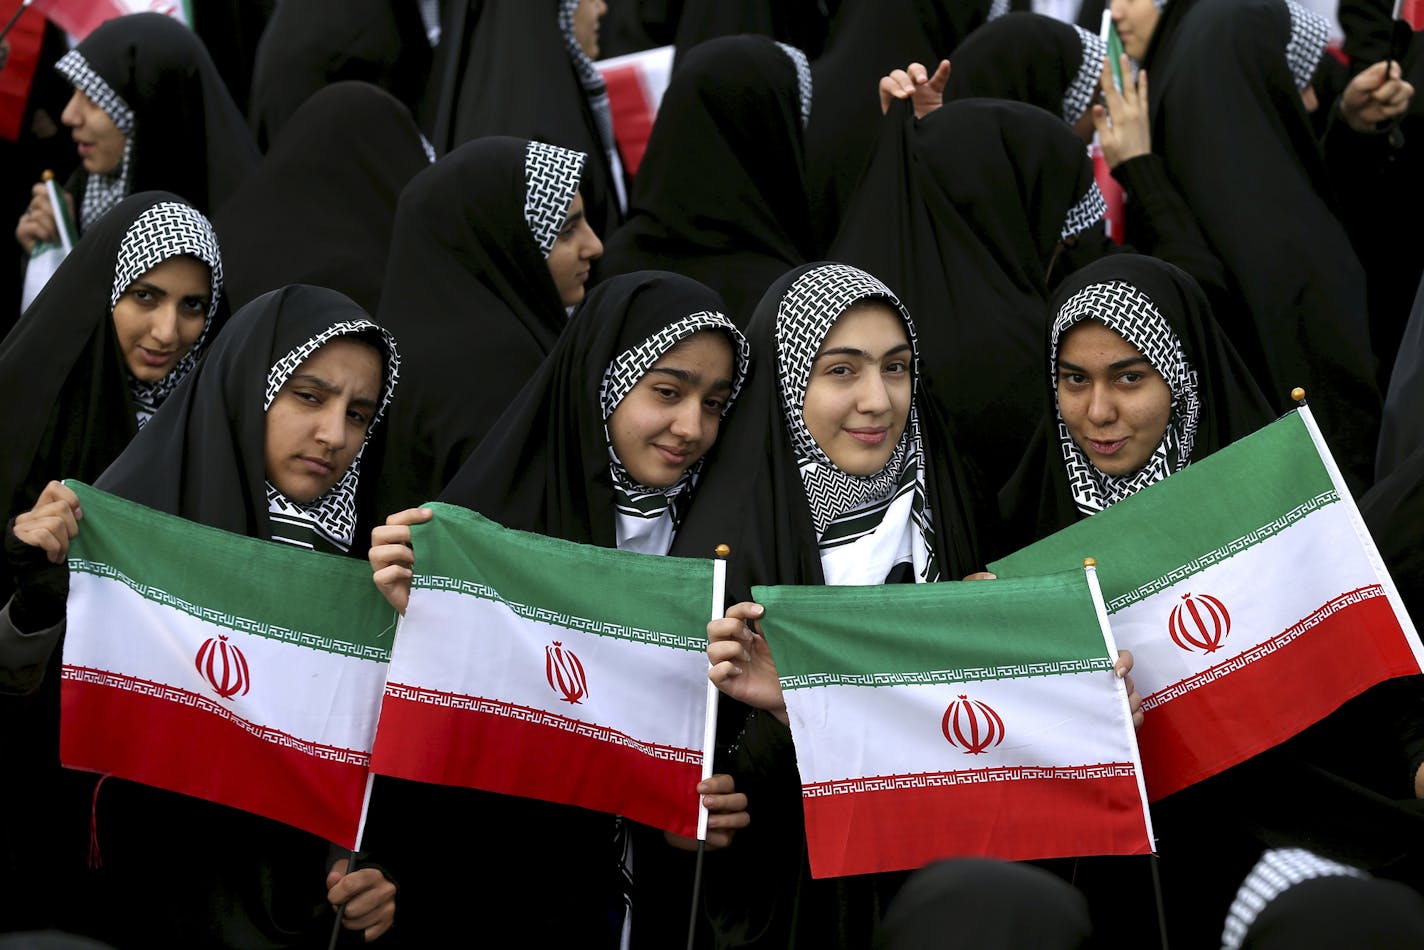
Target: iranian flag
<point>531,666</point>
<point>938,720</point>
<point>1251,597</point>
<point>235,670</point>
<point>46,256</point>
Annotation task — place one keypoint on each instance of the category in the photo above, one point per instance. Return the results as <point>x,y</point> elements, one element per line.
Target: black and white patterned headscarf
<point>1079,94</point>
<point>846,507</point>
<point>1090,209</point>
<point>1130,314</point>
<point>647,514</point>
<point>328,522</point>
<point>101,191</point>
<point>551,179</point>
<point>803,79</point>
<point>596,90</point>
<point>1310,32</point>
<point>166,230</point>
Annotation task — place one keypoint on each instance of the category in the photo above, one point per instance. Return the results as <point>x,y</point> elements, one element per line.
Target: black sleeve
<point>1160,223</point>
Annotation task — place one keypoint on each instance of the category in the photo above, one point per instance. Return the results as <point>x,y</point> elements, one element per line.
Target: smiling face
<point>1135,21</point>
<point>573,254</point>
<point>100,143</point>
<point>319,418</point>
<point>586,17</point>
<point>859,392</point>
<point>671,416</point>
<point>160,316</point>
<point>1115,405</point>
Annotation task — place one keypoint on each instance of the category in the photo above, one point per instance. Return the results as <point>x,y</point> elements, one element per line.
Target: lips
<point>1106,448</point>
<point>673,456</point>
<point>316,466</point>
<point>155,357</point>
<point>871,436</point>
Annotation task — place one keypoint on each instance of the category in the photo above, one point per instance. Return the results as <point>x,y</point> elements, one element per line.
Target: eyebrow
<point>853,351</point>
<point>326,387</point>
<point>1120,364</point>
<point>688,377</point>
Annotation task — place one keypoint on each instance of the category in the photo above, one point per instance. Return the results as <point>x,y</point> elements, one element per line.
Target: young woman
<point>149,111</point>
<point>1142,384</point>
<point>490,247</point>
<point>265,439</point>
<point>853,482</point>
<point>603,446</point>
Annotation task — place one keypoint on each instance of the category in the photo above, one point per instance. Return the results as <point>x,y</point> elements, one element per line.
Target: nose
<point>593,247</point>
<point>1102,407</point>
<point>872,395</point>
<point>331,428</point>
<point>164,325</point>
<point>72,114</point>
<point>687,421</point>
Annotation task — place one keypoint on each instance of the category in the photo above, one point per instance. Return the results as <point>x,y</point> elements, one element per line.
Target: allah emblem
<point>224,667</point>
<point>1199,623</point>
<point>565,673</point>
<point>972,725</point>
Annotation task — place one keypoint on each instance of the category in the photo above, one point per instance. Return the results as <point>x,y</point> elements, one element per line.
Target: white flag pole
<point>61,212</point>
<point>709,737</point>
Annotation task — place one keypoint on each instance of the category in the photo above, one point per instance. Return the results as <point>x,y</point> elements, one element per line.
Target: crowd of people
<point>391,252</point>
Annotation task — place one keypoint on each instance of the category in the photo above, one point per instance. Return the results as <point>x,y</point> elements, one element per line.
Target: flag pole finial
<point>1298,395</point>
<point>47,175</point>
<point>722,550</point>
<point>1090,562</point>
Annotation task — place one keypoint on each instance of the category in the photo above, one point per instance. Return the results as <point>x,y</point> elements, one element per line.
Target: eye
<point>195,305</point>
<point>666,391</point>
<point>307,396</point>
<point>1072,379</point>
<point>714,404</point>
<point>1132,377</point>
<point>143,296</point>
<point>358,417</point>
<point>897,366</point>
<point>840,369</point>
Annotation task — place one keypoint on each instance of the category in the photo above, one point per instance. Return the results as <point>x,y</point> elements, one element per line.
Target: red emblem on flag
<point>565,673</point>
<point>1199,622</point>
<point>224,667</point>
<point>972,725</point>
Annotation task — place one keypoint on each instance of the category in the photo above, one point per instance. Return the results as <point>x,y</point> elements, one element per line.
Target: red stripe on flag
<point>79,18</point>
<point>514,756</point>
<point>16,76</point>
<point>1232,717</point>
<point>899,828</point>
<point>633,114</point>
<point>171,741</point>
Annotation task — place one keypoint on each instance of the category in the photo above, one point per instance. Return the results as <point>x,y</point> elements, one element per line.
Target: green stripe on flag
<point>957,631</point>
<point>1155,538</point>
<point>316,600</point>
<point>661,600</point>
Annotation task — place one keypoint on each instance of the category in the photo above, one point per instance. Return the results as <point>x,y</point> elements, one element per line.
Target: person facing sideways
<point>490,248</point>
<point>149,111</point>
<point>265,439</point>
<point>1141,384</point>
<point>604,446</point>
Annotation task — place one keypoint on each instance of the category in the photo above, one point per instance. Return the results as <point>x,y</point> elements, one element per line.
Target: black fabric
<point>189,137</point>
<point>1037,501</point>
<point>1228,120</point>
<point>232,31</point>
<point>1394,510</point>
<point>1340,911</point>
<point>320,207</point>
<point>637,25</point>
<point>867,39</point>
<point>311,44</point>
<point>501,68</point>
<point>62,374</point>
<point>465,280</point>
<point>760,893</point>
<point>801,23</point>
<point>721,191</point>
<point>961,212</point>
<point>1026,57</point>
<point>41,586</point>
<point>1402,428</point>
<point>543,468</point>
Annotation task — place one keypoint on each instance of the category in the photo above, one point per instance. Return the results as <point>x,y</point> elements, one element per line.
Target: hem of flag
<point>1016,813</point>
<point>108,717</point>
<point>549,757</point>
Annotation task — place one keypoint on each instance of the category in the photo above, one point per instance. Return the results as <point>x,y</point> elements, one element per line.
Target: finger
<point>719,784</point>
<point>375,932</point>
<point>729,629</point>
<point>726,651</point>
<point>725,804</point>
<point>1123,666</point>
<point>746,610</point>
<point>411,516</point>
<point>382,555</point>
<point>1141,85</point>
<point>889,91</point>
<point>723,673</point>
<point>981,576</point>
<point>941,77</point>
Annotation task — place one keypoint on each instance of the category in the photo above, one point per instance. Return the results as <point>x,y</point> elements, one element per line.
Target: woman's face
<point>671,416</point>
<point>858,396</point>
<point>575,250</point>
<point>319,418</point>
<point>1135,21</point>
<point>586,17</point>
<point>1115,404</point>
<point>100,143</point>
<point>160,316</point>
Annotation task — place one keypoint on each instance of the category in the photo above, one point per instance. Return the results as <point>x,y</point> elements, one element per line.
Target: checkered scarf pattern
<point>589,76</point>
<point>804,317</point>
<point>1079,94</point>
<point>631,498</point>
<point>101,192</point>
<point>803,79</point>
<point>332,517</point>
<point>166,230</point>
<point>551,179</point>
<point>1126,311</point>
<point>1090,209</point>
<point>999,8</point>
<point>1309,33</point>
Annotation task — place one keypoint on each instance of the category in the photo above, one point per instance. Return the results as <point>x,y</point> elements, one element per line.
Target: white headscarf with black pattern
<point>1090,209</point>
<point>803,80</point>
<point>1130,314</point>
<point>101,191</point>
<point>1310,32</point>
<point>597,91</point>
<point>851,510</point>
<point>647,518</point>
<point>551,179</point>
<point>329,520</point>
<point>164,231</point>
<point>1079,94</point>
